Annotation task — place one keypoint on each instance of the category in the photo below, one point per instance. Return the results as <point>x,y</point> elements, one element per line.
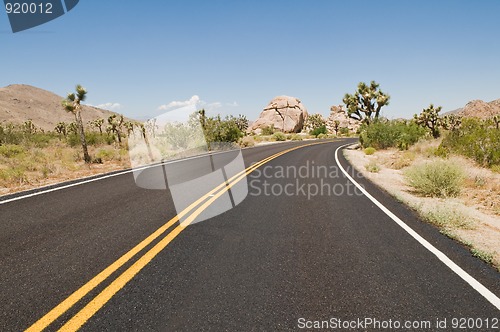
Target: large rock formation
<point>337,113</point>
<point>286,114</point>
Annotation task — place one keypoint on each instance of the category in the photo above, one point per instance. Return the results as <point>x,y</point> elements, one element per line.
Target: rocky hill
<point>19,103</point>
<point>479,109</point>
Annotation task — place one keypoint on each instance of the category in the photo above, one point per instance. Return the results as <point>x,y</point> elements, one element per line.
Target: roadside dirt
<point>473,218</point>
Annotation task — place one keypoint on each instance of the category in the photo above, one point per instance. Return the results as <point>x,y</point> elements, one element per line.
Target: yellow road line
<point>116,285</point>
<point>102,298</point>
<point>65,305</point>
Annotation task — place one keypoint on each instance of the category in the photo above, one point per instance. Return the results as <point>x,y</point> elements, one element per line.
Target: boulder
<point>286,114</point>
<point>337,113</point>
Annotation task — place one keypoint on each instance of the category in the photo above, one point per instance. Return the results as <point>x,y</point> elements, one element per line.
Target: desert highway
<point>107,255</point>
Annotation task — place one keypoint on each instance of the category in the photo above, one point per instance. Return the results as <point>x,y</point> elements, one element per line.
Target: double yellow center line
<point>103,297</point>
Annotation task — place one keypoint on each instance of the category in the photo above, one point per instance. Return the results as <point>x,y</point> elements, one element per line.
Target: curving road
<point>304,248</point>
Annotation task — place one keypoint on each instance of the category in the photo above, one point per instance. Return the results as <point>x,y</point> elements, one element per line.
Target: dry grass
<point>472,218</point>
<point>26,168</point>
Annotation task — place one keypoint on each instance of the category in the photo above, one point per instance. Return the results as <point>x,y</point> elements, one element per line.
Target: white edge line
<point>485,292</point>
<point>93,179</point>
<point>97,177</point>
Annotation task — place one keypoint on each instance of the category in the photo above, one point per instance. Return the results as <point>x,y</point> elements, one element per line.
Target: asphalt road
<point>303,246</point>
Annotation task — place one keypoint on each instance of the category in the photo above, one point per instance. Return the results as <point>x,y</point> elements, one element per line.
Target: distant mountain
<point>20,102</point>
<point>478,109</point>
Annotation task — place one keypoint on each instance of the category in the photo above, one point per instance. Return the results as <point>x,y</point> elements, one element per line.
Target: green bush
<point>386,134</point>
<point>94,138</point>
<point>448,217</point>
<point>73,140</point>
<point>105,154</point>
<point>344,131</point>
<point>322,136</point>
<point>476,139</point>
<point>372,167</point>
<point>39,140</point>
<point>296,137</point>
<point>269,130</point>
<point>10,150</point>
<point>14,174</point>
<point>319,130</point>
<point>439,178</point>
<point>10,134</point>
<point>279,136</point>
<point>369,151</point>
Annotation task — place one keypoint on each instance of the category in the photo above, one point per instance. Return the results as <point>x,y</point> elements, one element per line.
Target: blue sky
<point>142,58</point>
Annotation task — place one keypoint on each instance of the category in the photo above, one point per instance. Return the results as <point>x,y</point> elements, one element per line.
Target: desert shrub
<point>105,154</point>
<point>386,134</point>
<point>449,218</point>
<point>319,130</point>
<point>344,131</point>
<point>94,138</point>
<point>314,121</point>
<point>257,138</point>
<point>476,139</point>
<point>296,137</point>
<point>322,136</point>
<point>247,141</point>
<point>404,160</point>
<point>14,174</point>
<point>269,130</point>
<point>279,136</point>
<point>10,134</point>
<point>73,140</point>
<point>39,140</point>
<point>11,150</point>
<point>369,151</point>
<point>372,167</point>
<point>439,178</point>
<point>483,255</point>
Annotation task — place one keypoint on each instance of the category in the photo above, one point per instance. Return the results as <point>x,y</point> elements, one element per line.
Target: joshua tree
<point>28,127</point>
<point>61,129</point>
<point>429,118</point>
<point>129,125</point>
<point>97,123</point>
<point>241,122</point>
<point>496,119</point>
<point>115,125</point>
<point>451,122</point>
<point>72,128</point>
<point>314,121</point>
<point>336,127</point>
<point>72,104</point>
<point>366,102</point>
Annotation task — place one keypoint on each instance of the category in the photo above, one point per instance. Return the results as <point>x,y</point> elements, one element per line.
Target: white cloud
<point>194,100</point>
<point>211,106</point>
<point>108,106</point>
<point>233,104</point>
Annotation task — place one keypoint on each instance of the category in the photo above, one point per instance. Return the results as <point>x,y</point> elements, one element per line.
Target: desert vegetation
<point>474,138</point>
<point>446,167</point>
<point>31,157</point>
